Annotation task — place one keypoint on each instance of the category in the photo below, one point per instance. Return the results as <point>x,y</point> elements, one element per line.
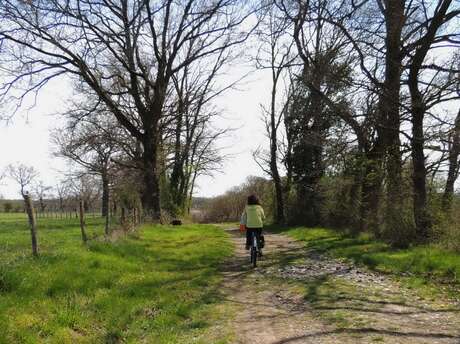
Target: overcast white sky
<point>26,139</point>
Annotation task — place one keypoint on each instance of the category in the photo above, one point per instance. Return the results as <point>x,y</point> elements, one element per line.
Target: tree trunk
<point>42,205</point>
<point>309,197</point>
<point>177,174</point>
<point>82,221</point>
<point>389,107</point>
<point>151,191</point>
<point>114,207</point>
<point>280,218</point>
<point>135,217</point>
<point>123,216</point>
<point>279,199</point>
<point>190,194</point>
<point>371,190</point>
<point>32,222</point>
<point>107,225</point>
<point>452,174</point>
<point>421,214</point>
<point>105,194</point>
<point>353,219</point>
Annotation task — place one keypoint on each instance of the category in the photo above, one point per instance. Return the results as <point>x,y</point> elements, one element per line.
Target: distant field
<point>14,204</point>
<point>160,286</point>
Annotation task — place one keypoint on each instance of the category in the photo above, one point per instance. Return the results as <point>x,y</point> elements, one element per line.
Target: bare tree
<point>275,55</point>
<point>24,176</point>
<point>84,186</point>
<point>92,143</point>
<point>125,52</point>
<point>419,104</point>
<point>454,164</point>
<point>205,159</point>
<point>317,92</point>
<point>40,190</point>
<point>62,192</point>
<point>189,125</point>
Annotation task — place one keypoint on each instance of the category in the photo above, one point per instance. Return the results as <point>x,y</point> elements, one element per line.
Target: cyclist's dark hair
<point>252,199</point>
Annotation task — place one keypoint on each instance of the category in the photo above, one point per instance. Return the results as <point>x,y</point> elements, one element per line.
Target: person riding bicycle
<point>253,218</point>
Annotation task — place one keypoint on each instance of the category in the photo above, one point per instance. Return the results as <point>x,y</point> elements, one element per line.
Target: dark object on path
<point>176,222</point>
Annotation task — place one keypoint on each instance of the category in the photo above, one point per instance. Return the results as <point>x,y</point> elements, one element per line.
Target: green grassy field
<point>424,263</point>
<point>158,286</point>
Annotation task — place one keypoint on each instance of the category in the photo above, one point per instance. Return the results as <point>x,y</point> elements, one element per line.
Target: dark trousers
<point>258,233</point>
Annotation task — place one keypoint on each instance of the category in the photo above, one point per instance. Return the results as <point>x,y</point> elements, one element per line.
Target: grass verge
<point>160,286</point>
<point>424,263</point>
<point>360,308</point>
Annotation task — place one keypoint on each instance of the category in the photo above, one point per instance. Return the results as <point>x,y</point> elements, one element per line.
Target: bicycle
<point>255,251</point>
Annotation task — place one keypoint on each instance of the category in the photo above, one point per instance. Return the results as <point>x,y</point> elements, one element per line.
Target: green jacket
<point>253,216</point>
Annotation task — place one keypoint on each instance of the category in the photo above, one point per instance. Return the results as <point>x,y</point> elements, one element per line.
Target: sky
<point>26,138</point>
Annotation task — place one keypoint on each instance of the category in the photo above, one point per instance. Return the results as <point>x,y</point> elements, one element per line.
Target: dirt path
<point>296,296</point>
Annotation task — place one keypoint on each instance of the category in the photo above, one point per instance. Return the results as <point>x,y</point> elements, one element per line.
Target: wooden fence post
<point>32,223</point>
<point>82,222</point>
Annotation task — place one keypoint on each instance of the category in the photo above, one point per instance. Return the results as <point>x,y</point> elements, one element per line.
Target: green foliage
<point>7,207</point>
<point>309,122</point>
<point>166,200</point>
<point>399,228</point>
<point>341,203</point>
<point>128,198</point>
<point>160,286</point>
<point>446,230</point>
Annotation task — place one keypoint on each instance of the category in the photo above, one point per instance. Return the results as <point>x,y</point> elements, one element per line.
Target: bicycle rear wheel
<point>253,256</point>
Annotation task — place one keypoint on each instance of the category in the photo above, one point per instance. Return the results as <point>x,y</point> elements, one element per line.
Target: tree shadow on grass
<point>330,300</point>
<point>240,265</point>
<point>369,330</point>
<point>372,306</point>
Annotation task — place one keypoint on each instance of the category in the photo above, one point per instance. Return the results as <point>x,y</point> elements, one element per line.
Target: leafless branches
<point>126,53</point>
<point>22,174</point>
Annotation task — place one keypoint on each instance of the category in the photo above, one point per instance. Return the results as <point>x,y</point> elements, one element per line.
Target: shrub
<point>7,207</point>
<point>447,230</point>
<point>229,206</point>
<point>446,224</point>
